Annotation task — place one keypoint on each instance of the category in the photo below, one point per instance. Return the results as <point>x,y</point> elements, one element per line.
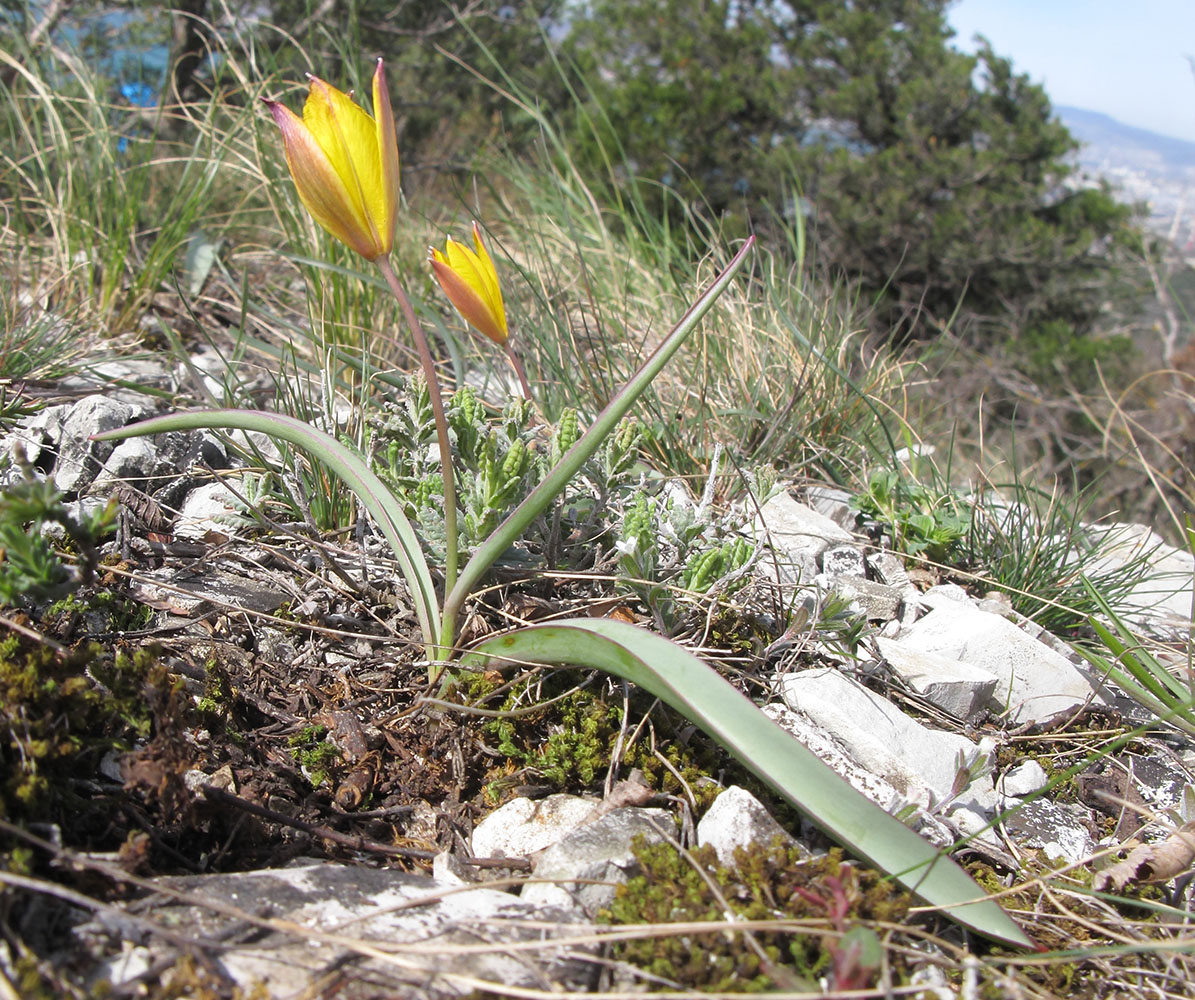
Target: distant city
<point>1143,167</point>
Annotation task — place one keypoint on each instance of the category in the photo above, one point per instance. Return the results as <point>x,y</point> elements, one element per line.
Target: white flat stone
<point>876,601</point>
<point>738,819</point>
<point>1165,593</point>
<point>832,503</point>
<point>920,763</point>
<point>524,826</point>
<point>1024,779</point>
<point>955,686</point>
<point>209,513</point>
<point>1055,828</point>
<point>590,860</point>
<point>827,747</point>
<point>1033,681</point>
<point>427,930</point>
<point>798,535</point>
<point>844,560</point>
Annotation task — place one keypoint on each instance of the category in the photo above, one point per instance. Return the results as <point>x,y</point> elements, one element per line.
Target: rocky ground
<point>229,777</point>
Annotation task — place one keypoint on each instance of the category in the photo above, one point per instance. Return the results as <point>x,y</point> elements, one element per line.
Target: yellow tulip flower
<point>471,284</point>
<point>345,163</point>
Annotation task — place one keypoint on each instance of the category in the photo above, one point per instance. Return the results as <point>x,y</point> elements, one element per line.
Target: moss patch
<point>767,883</point>
<point>61,712</point>
<point>567,742</point>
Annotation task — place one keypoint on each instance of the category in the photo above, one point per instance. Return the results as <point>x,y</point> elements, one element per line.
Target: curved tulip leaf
<point>345,463</point>
<point>697,691</point>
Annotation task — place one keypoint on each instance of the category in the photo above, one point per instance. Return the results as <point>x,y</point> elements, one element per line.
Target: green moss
<point>567,744</point>
<point>570,743</point>
<point>767,882</point>
<point>120,614</point>
<point>315,755</point>
<point>219,696</point>
<point>1074,925</point>
<point>736,632</point>
<point>986,877</point>
<point>62,711</point>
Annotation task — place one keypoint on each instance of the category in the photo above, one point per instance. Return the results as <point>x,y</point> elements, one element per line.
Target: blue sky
<point>1126,58</point>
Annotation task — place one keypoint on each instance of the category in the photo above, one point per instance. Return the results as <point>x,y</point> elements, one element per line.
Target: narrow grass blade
<point>693,688</point>
<point>342,461</point>
<point>1135,670</point>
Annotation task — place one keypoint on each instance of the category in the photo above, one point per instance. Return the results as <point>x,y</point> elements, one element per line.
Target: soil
<point>236,703</point>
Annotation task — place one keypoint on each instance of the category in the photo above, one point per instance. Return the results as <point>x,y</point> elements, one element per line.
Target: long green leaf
<point>570,464</point>
<point>342,461</point>
<point>695,689</point>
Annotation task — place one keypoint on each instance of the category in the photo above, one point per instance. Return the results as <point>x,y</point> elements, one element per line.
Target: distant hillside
<point>1100,131</point>
<point>1113,143</point>
<point>1144,166</point>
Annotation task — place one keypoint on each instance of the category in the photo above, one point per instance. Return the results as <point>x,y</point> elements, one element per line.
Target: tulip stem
<point>517,362</point>
<point>445,445</point>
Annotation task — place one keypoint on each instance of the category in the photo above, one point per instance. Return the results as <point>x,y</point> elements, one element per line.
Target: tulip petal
<point>489,275</point>
<point>348,137</point>
<point>320,184</point>
<point>469,279</point>
<point>480,276</point>
<point>388,196</point>
<point>467,301</point>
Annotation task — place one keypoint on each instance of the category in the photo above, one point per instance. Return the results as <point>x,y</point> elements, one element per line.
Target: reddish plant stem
<point>433,390</point>
<point>517,362</point>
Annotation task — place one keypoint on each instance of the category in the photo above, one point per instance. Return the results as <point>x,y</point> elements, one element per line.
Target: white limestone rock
<point>1165,593</point>
<point>428,930</point>
<point>132,460</point>
<point>524,826</point>
<point>588,862</point>
<point>920,763</point>
<point>1024,779</point>
<point>798,536</point>
<point>828,748</point>
<point>79,457</point>
<point>955,686</point>
<point>209,513</point>
<point>831,752</point>
<point>738,819</point>
<point>844,561</point>
<point>1058,829</point>
<point>875,601</point>
<point>889,568</point>
<point>1033,681</point>
<point>945,593</point>
<point>834,504</point>
<point>36,435</point>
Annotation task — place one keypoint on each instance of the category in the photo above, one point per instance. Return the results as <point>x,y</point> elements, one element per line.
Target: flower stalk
<point>443,442</point>
<point>345,167</point>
